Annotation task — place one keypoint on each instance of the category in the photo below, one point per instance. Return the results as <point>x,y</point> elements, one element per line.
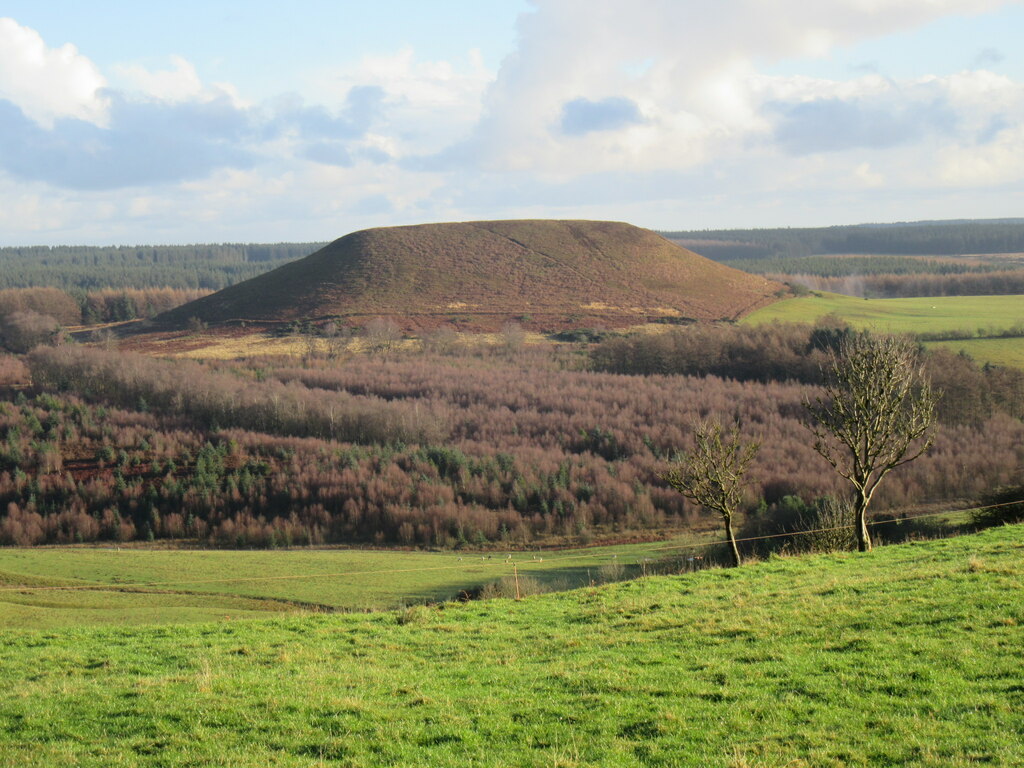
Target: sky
<point>130,123</point>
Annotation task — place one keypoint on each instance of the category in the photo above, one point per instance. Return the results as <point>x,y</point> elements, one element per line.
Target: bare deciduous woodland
<point>475,446</point>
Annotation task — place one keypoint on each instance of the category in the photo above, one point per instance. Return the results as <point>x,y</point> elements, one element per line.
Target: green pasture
<point>1008,352</point>
<point>976,315</point>
<point>907,656</point>
<point>95,585</point>
<point>917,315</point>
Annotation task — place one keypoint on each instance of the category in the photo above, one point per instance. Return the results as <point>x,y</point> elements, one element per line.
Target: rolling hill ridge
<point>546,274</point>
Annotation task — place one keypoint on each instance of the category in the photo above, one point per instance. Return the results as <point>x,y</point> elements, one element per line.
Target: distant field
<point>1009,352</point>
<point>201,585</point>
<point>917,315</point>
<point>981,315</point>
<point>908,656</point>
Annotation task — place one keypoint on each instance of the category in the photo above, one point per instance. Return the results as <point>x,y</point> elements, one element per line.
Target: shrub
<point>1010,509</point>
<point>830,527</point>
<point>505,587</point>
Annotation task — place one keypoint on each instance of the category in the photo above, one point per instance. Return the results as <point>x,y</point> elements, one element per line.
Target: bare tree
<point>876,414</point>
<point>712,473</point>
<point>338,338</point>
<point>512,337</point>
<point>20,331</point>
<point>443,340</point>
<point>382,335</point>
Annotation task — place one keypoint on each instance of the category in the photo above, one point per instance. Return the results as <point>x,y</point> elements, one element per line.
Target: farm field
<point>916,315</point>
<point>909,655</point>
<point>1009,352</point>
<point>981,315</point>
<point>142,586</point>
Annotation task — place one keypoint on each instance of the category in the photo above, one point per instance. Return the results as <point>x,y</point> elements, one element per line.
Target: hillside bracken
<point>545,274</point>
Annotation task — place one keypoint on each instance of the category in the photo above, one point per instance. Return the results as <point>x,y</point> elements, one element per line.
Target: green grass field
<point>1009,352</point>
<point>980,315</point>
<point>907,656</point>
<point>132,586</point>
<point>918,315</point>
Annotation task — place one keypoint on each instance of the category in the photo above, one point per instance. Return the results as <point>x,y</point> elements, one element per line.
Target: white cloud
<point>999,161</point>
<point>865,176</point>
<point>656,112</point>
<point>48,83</point>
<point>698,85</point>
<point>180,83</point>
<point>427,103</point>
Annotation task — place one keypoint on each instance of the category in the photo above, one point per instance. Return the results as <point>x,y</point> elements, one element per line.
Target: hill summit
<point>546,274</point>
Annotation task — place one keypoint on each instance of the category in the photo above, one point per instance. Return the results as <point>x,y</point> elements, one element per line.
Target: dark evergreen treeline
<point>844,266</point>
<point>884,286</point>
<point>88,268</point>
<point>419,449</point>
<point>925,237</point>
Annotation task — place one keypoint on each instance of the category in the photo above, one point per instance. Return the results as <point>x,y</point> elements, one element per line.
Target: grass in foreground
<point>910,655</point>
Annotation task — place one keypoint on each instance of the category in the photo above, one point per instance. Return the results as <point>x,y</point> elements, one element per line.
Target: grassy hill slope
<point>910,655</point>
<point>543,272</point>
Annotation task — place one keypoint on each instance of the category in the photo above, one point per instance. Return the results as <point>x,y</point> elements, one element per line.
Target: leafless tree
<point>877,413</point>
<point>443,340</point>
<point>382,335</point>
<point>338,337</point>
<point>20,331</point>
<point>712,474</point>
<point>513,337</point>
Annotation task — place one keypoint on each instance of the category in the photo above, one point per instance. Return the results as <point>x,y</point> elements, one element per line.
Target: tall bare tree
<point>712,473</point>
<point>876,414</point>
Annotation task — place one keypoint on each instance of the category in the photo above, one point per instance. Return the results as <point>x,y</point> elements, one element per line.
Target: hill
<point>909,656</point>
<point>481,274</point>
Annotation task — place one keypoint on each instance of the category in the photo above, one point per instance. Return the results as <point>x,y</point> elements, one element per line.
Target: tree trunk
<point>736,561</point>
<point>861,524</point>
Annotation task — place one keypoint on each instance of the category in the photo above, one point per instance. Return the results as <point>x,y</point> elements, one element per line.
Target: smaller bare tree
<point>512,337</point>
<point>338,337</point>
<point>443,340</point>
<point>876,414</point>
<point>712,474</point>
<point>382,334</point>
